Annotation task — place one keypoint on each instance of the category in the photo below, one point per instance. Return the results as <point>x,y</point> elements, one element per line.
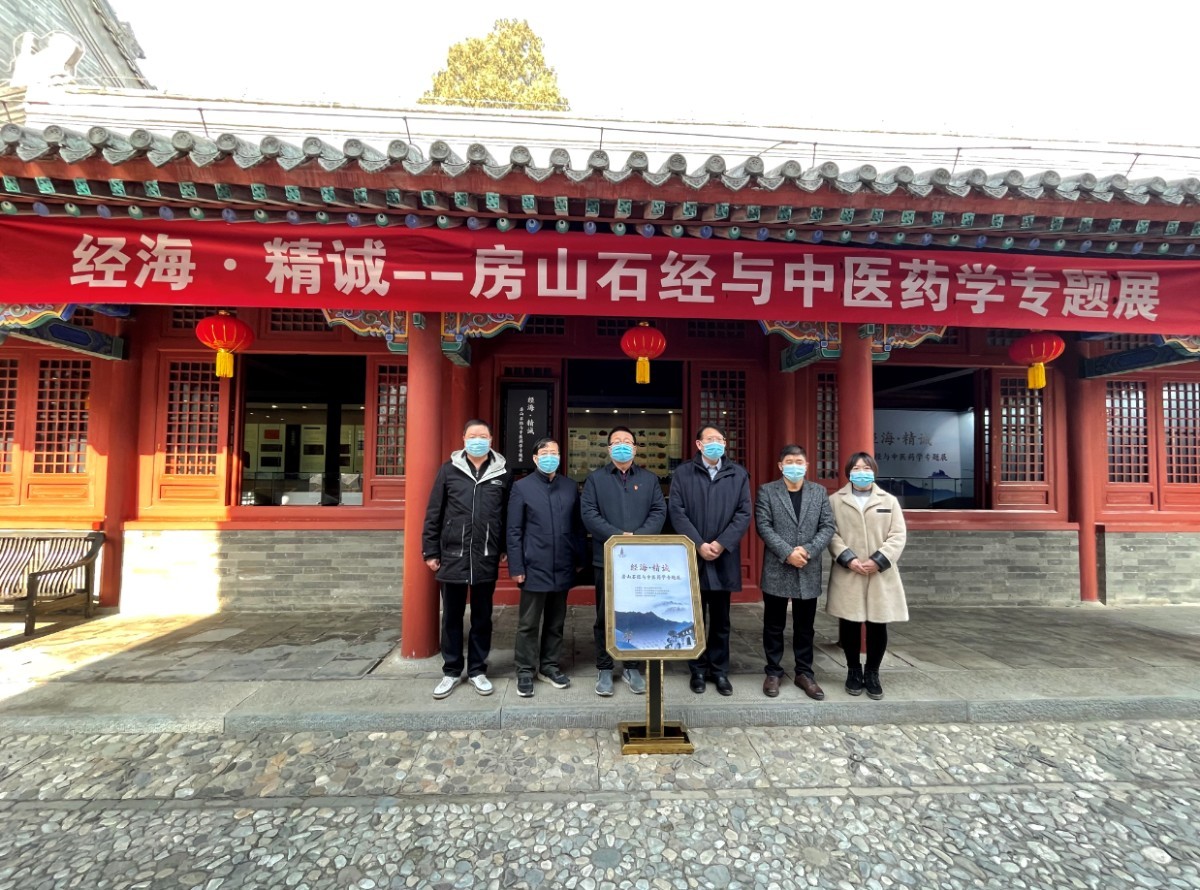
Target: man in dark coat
<point>463,542</point>
<point>710,503</point>
<point>545,550</point>
<point>620,498</point>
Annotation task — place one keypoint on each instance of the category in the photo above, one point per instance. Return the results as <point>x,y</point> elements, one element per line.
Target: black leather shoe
<point>723,685</point>
<point>697,683</point>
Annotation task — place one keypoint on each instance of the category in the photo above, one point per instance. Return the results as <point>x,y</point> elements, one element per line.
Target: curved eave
<point>54,171</point>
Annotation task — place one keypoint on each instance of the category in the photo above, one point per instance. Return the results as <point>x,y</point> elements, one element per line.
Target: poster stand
<point>653,612</point>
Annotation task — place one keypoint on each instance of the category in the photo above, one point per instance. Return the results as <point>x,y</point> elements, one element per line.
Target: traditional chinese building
<point>394,290</point>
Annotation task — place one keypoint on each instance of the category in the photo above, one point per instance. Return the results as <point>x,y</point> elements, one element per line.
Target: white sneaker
<point>445,686</point>
<point>482,684</point>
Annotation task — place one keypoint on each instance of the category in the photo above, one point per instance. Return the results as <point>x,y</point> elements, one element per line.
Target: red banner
<point>459,270</point>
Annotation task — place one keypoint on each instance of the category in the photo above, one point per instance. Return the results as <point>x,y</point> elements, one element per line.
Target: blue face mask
<point>862,478</point>
<point>713,450</point>
<point>547,463</point>
<point>621,452</point>
<point>794,472</point>
<point>478,446</point>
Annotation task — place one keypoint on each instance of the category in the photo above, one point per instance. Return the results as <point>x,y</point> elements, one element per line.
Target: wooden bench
<point>47,571</point>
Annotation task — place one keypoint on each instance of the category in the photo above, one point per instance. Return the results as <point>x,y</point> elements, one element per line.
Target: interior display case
<point>658,432</point>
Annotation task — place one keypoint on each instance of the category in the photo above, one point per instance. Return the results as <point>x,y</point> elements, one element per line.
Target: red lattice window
<point>1021,433</point>
<point>723,401</point>
<point>291,321</point>
<point>83,318</point>
<point>8,413</point>
<point>184,318</point>
<point>1181,431</point>
<point>61,437</point>
<point>1126,342</point>
<point>546,325</point>
<point>612,327</point>
<point>192,441</point>
<point>716,329</point>
<point>391,404</point>
<point>1128,432</point>
<point>1001,337</point>
<point>827,427</point>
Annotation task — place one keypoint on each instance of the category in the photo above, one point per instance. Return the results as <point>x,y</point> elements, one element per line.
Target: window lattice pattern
<point>1002,337</point>
<point>525,373</point>
<point>1181,430</point>
<point>193,420</point>
<point>710,329</point>
<point>291,321</point>
<point>1126,342</point>
<point>1128,432</point>
<point>827,427</point>
<point>546,325</point>
<point>184,318</point>
<point>61,438</point>
<point>952,337</point>
<point>1021,434</point>
<point>8,413</point>
<point>83,318</point>
<point>391,406</point>
<point>612,327</point>
<point>723,401</point>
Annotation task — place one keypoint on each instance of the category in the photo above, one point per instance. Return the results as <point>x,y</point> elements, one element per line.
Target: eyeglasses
<point>709,439</point>
<point>620,442</point>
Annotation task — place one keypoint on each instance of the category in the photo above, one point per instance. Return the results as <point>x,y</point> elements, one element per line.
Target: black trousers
<point>850,639</point>
<point>479,641</point>
<point>604,661</point>
<point>714,659</point>
<point>775,609</point>
<point>540,622</point>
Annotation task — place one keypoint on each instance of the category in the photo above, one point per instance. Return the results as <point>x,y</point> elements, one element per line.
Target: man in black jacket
<point>464,542</point>
<point>620,498</point>
<point>710,503</point>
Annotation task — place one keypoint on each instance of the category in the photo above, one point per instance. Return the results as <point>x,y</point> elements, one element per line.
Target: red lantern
<point>227,335</point>
<point>1036,350</point>
<point>643,343</point>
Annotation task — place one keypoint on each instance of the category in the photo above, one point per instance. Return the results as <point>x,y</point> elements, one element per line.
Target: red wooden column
<point>856,403</point>
<point>1085,444</point>
<point>423,456</point>
<point>458,406</point>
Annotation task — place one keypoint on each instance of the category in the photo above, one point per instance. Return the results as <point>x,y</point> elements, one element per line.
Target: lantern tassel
<point>643,370</point>
<point>1037,376</point>
<point>224,363</point>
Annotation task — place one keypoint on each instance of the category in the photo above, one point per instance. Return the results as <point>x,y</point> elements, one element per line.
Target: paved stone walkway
<point>1033,805</point>
<point>247,672</point>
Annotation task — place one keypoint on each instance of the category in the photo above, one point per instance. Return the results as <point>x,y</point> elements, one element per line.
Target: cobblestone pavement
<point>1032,805</point>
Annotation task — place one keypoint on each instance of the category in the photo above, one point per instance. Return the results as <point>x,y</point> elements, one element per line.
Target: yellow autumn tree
<point>505,69</point>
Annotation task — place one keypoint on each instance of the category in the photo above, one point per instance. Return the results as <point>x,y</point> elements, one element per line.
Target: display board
<point>527,412</point>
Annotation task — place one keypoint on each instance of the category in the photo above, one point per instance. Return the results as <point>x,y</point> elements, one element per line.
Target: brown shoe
<point>810,687</point>
<point>771,686</point>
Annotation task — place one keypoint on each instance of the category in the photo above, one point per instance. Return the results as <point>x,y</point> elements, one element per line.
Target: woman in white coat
<point>864,583</point>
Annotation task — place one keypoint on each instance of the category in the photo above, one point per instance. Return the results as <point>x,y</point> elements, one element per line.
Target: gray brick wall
<point>195,571</point>
<point>198,571</point>
<point>1150,567</point>
<point>991,568</point>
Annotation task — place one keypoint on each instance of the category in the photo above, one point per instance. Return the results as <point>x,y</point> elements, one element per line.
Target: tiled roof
<point>101,171</point>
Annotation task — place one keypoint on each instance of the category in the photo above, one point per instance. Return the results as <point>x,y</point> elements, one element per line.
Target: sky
<point>1054,69</point>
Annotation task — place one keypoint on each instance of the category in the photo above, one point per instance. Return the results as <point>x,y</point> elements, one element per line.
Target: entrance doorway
<point>602,394</point>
